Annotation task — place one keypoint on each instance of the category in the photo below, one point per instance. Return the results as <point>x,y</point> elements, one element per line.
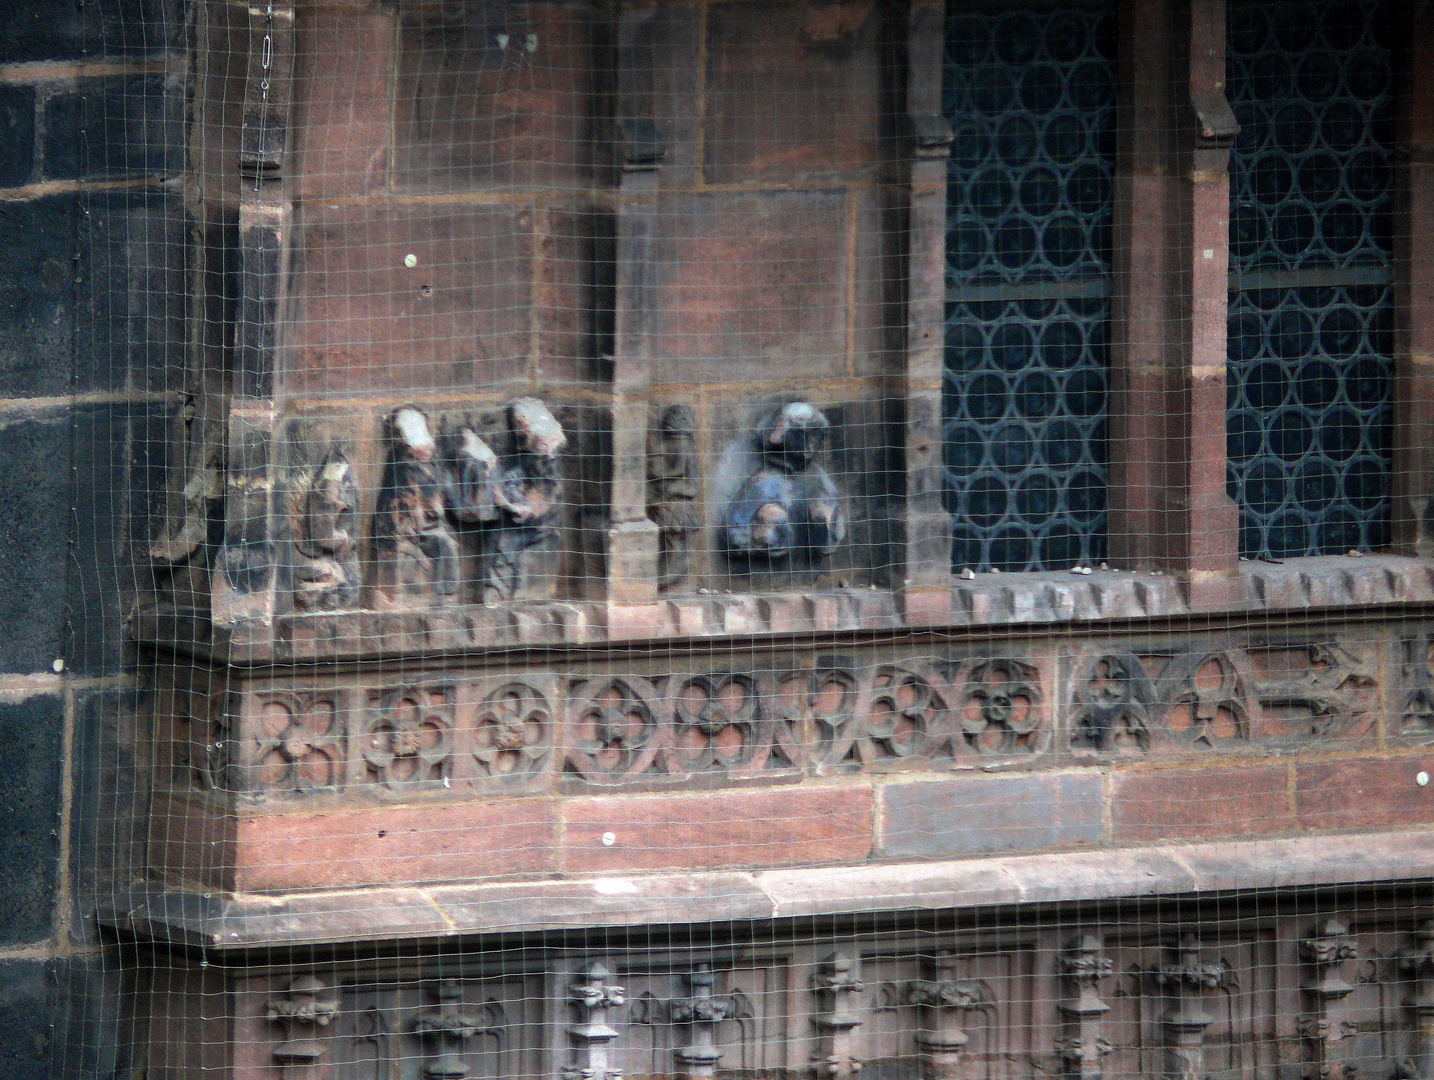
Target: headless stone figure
<point>326,537</point>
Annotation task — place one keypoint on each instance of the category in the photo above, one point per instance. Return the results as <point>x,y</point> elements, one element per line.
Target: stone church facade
<point>720,538</point>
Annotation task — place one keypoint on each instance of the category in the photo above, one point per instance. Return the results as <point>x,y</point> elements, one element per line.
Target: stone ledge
<point>1327,581</point>
<point>239,922</point>
<point>1320,581</point>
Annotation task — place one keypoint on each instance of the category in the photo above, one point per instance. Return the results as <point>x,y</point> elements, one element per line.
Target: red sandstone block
<point>396,845</point>
<point>341,135</point>
<point>755,288</point>
<point>1197,804</point>
<point>1364,793</point>
<point>494,95</point>
<point>730,829</point>
<point>458,317</point>
<point>793,90</point>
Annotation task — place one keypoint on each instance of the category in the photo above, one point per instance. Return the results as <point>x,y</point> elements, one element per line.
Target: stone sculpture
<point>788,509</point>
<point>428,495</point>
<point>180,555</point>
<point>526,498</point>
<point>672,490</point>
<point>414,545</point>
<point>325,529</point>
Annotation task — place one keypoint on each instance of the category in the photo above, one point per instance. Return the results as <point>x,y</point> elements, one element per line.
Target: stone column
<point>1187,980</point>
<point>1417,962</point>
<point>590,1037</point>
<point>837,986</point>
<point>1083,1046</point>
<point>244,582</point>
<point>943,1000</point>
<point>1412,483</point>
<point>302,1012</point>
<point>1326,951</point>
<point>632,541</point>
<point>926,587</point>
<point>1168,506</point>
<point>700,1013</point>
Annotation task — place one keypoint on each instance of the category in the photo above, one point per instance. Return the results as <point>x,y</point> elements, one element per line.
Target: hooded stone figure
<point>526,499</point>
<point>414,546</point>
<point>325,529</point>
<point>789,506</point>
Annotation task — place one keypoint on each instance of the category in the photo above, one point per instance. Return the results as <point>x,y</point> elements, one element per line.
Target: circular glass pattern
<point>1025,433</point>
<point>1310,84</point>
<point>1309,367</point>
<point>1031,98</point>
<point>1308,427</point>
<point>1031,95</point>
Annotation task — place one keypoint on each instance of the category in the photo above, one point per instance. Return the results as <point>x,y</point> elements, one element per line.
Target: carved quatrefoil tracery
<point>299,742</point>
<point>514,731</point>
<point>409,740</point>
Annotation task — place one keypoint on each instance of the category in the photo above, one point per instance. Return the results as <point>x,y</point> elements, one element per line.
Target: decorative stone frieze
<point>1206,699</point>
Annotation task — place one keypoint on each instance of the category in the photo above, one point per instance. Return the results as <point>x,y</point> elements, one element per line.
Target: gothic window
<point>1310,319</point>
<point>1030,95</point>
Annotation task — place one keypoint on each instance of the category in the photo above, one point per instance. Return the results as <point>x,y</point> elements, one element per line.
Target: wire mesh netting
<point>730,538</point>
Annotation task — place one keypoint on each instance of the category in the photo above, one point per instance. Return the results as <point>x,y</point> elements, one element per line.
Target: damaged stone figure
<point>428,496</point>
<point>673,486</point>
<point>414,545</point>
<point>325,530</point>
<point>788,510</point>
<point>180,556</point>
<point>527,497</point>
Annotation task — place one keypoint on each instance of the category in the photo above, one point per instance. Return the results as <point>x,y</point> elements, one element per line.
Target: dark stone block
<point>978,814</point>
<point>38,254</point>
<point>106,846</point>
<point>69,476</point>
<point>133,293</point>
<point>33,732</point>
<point>26,1010</point>
<point>114,128</point>
<point>17,135</point>
<point>92,294</point>
<point>74,30</point>
<point>35,504</point>
<point>118,454</point>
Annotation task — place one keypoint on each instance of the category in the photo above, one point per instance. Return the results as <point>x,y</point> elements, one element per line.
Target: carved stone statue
<point>179,555</point>
<point>526,498</point>
<point>325,530</point>
<point>788,508</point>
<point>673,486</point>
<point>414,546</point>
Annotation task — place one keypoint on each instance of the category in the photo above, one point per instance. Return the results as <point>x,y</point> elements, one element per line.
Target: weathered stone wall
<point>92,328</point>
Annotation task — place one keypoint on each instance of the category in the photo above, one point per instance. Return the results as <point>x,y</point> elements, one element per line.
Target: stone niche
<point>453,213</point>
